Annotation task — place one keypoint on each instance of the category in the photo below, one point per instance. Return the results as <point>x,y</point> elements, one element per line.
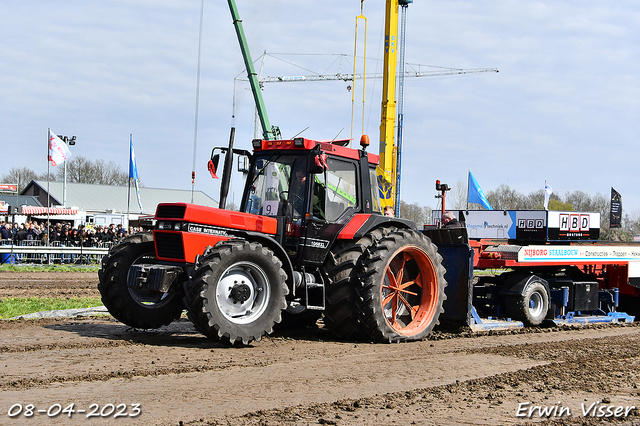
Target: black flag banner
<point>615,216</point>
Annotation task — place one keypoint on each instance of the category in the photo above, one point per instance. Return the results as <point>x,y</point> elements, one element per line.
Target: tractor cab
<point>310,189</point>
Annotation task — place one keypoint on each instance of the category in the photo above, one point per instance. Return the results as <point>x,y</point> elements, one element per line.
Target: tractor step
<point>315,296</point>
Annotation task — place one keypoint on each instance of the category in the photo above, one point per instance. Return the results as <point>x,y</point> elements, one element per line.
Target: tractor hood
<point>185,216</point>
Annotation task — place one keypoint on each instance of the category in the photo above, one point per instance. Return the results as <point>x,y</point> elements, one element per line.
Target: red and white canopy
<point>43,210</point>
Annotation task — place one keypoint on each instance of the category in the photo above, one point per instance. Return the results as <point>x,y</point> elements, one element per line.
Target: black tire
<point>532,305</point>
<point>342,265</point>
<point>409,310</point>
<point>629,305</point>
<point>232,277</point>
<point>130,306</point>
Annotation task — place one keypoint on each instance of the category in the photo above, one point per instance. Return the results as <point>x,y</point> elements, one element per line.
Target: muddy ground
<point>305,377</point>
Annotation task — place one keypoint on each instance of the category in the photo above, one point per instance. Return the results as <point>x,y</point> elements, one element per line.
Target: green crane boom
<point>268,131</point>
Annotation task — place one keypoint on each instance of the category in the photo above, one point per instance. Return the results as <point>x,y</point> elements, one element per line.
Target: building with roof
<point>7,200</point>
<point>89,200</point>
<point>19,200</point>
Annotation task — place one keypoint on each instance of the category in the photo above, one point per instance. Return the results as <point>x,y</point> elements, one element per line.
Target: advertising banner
<point>615,215</point>
<point>8,187</point>
<point>571,226</point>
<point>530,225</point>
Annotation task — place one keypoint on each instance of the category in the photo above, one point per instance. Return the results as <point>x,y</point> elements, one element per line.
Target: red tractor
<point>309,240</point>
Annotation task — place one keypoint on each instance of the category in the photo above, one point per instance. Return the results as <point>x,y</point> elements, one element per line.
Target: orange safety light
<point>364,141</point>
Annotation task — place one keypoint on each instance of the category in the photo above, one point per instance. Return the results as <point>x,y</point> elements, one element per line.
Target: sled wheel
<point>237,292</point>
<point>136,308</point>
<point>402,288</point>
<point>531,305</point>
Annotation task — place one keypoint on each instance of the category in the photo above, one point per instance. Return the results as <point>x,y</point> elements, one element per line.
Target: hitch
<point>154,278</point>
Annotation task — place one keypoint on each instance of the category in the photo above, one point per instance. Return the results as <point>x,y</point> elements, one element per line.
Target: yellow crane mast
<point>387,168</point>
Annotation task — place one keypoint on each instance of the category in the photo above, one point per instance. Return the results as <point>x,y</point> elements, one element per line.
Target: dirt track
<point>305,377</point>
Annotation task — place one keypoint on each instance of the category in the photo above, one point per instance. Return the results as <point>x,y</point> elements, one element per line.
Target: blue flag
<point>133,170</point>
<point>475,193</point>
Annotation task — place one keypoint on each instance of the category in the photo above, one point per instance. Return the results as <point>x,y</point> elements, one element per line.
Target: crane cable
<point>353,83</point>
<point>195,130</point>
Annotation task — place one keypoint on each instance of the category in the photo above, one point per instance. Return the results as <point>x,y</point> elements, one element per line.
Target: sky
<point>563,108</point>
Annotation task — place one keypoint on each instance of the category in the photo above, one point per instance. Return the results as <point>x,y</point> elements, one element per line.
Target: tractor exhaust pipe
<point>226,172</point>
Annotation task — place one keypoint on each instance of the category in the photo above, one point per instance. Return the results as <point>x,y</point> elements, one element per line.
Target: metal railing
<point>36,251</point>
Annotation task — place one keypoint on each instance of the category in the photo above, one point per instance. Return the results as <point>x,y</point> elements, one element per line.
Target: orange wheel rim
<point>409,292</point>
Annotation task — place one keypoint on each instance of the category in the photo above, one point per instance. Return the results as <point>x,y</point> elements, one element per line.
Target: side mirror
<point>212,166</point>
<point>243,164</point>
<point>318,163</point>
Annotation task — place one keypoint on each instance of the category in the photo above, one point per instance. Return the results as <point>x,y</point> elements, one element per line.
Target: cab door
<point>332,201</point>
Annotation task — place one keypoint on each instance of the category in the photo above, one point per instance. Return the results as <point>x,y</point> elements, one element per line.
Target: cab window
<point>339,190</point>
<point>375,192</point>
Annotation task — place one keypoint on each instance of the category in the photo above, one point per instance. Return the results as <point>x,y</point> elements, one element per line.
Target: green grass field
<point>12,307</point>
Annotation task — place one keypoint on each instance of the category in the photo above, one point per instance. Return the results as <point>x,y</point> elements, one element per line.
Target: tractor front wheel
<point>237,292</point>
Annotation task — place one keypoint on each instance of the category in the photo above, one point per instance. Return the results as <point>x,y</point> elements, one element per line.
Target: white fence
<point>30,251</point>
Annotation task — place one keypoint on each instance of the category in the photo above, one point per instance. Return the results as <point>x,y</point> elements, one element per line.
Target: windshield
<point>271,183</point>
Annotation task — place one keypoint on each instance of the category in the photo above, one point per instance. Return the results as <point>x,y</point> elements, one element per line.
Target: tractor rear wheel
<point>133,307</point>
<point>342,265</point>
<point>402,287</point>
<point>237,292</point>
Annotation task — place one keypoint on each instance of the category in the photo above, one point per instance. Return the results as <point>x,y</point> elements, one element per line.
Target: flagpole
<point>129,180</point>
<point>64,188</point>
<point>48,236</point>
<point>468,179</point>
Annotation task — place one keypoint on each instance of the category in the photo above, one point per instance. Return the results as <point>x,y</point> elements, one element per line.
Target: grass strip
<point>48,268</point>
<point>12,307</point>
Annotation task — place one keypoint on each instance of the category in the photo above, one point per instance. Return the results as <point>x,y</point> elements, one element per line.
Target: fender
<point>273,245</point>
<point>517,284</point>
<point>360,224</point>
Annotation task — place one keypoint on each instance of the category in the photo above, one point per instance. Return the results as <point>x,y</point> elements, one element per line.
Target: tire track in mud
<point>307,377</point>
<point>580,373</point>
<point>48,284</point>
<point>291,370</point>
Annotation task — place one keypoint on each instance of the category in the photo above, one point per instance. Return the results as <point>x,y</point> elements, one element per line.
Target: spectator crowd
<point>63,234</point>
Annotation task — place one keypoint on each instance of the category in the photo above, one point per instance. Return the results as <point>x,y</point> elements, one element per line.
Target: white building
<point>105,204</point>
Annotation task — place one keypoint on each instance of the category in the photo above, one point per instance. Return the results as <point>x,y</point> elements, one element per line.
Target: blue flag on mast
<point>475,193</point>
<point>133,170</point>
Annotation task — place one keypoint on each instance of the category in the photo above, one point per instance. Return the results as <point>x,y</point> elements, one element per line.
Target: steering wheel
<point>286,196</point>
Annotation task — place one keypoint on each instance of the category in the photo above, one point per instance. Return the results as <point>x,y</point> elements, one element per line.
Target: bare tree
<point>535,200</point>
<point>457,197</point>
<point>23,176</point>
<point>427,213</point>
<point>413,212</point>
<point>82,170</point>
<point>632,223</point>
<point>505,198</point>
